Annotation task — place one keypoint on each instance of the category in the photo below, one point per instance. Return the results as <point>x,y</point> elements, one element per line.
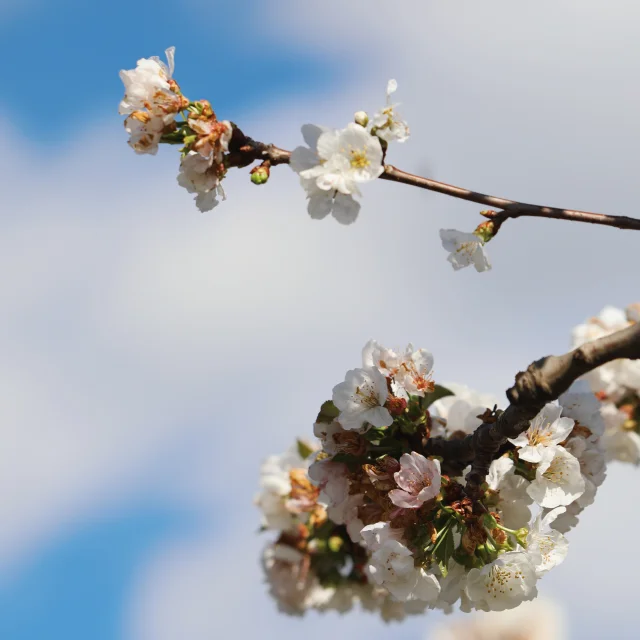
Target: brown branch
<point>544,381</point>
<point>509,208</point>
<point>245,150</point>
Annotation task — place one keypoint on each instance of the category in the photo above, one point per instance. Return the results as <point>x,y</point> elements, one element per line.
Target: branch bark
<point>543,381</point>
<point>244,150</point>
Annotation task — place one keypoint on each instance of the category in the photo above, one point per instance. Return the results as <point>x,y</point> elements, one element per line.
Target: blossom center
<point>556,472</point>
<point>499,580</point>
<point>468,248</point>
<point>359,159</point>
<point>540,435</point>
<point>367,395</point>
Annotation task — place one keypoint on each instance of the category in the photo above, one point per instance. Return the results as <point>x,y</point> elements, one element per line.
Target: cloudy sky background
<point>152,355</point>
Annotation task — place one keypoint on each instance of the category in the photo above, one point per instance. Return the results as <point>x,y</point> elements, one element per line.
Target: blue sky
<point>63,58</point>
<point>68,53</point>
<point>77,586</point>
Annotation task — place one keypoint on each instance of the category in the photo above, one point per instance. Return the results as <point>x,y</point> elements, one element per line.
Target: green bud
<point>259,175</point>
<point>486,230</point>
<point>335,543</point>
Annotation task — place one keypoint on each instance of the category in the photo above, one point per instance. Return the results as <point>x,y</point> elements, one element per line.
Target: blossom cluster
<point>332,167</point>
<point>152,102</point>
<point>336,161</point>
<point>371,517</point>
<point>616,384</point>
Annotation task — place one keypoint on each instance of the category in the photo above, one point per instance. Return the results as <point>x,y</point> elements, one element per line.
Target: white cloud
<point>138,335</point>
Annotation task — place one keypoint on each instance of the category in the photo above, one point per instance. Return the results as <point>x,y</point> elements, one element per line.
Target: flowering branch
<point>249,150</point>
<point>331,168</point>
<point>543,381</point>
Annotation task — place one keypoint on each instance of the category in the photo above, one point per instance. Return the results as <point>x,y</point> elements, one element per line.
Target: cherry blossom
<point>464,249</point>
<point>413,375</point>
<point>275,480</point>
<point>418,479</point>
<point>387,124</point>
<point>558,480</point>
<point>546,546</point>
<point>392,565</point>
<point>322,202</point>
<point>503,584</point>
<point>459,412</point>
<point>346,158</point>
<point>361,398</point>
<point>547,430</point>
<point>201,176</point>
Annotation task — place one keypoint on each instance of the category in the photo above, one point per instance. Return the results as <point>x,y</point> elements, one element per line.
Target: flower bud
<point>486,230</point>
<point>259,175</point>
<point>361,118</point>
<point>335,543</point>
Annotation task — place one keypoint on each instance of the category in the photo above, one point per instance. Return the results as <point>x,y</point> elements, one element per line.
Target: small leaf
<point>444,548</point>
<point>438,392</point>
<point>328,412</point>
<point>304,450</point>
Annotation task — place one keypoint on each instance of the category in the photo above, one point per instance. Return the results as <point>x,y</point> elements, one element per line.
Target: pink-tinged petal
<point>408,479</point>
<point>405,500</point>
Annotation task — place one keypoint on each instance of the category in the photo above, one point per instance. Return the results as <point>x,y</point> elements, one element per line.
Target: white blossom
<point>326,432</point>
<point>451,586</point>
<point>591,457</point>
<point>388,124</point>
<point>464,249</point>
<point>322,202</point>
<point>346,158</point>
<point>391,565</point>
<point>275,481</point>
<point>546,546</point>
<point>413,375</point>
<point>581,404</point>
<point>460,411</point>
<point>514,500</point>
<point>503,584</point>
<point>214,137</point>
<point>198,175</point>
<point>619,443</point>
<point>546,430</point>
<point>294,588</point>
<point>145,132</point>
<point>149,87</point>
<point>386,360</point>
<point>612,378</point>
<point>558,480</point>
<point>332,479</point>
<point>419,480</point>
<point>361,398</point>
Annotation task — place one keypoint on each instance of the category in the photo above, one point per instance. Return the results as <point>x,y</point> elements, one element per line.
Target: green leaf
<point>304,450</point>
<point>375,434</point>
<point>438,392</point>
<point>328,412</point>
<point>444,549</point>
